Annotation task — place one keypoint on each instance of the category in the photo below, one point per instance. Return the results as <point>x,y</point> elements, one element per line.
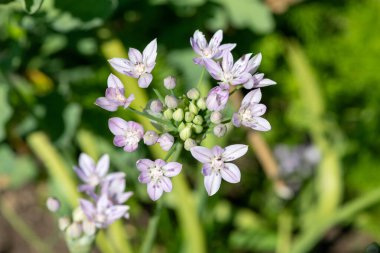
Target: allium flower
<point>103,213</point>
<point>215,166</point>
<point>250,113</point>
<point>150,137</point>
<point>212,50</point>
<point>139,65</point>
<point>166,141</point>
<point>229,73</point>
<point>169,82</point>
<point>156,175</point>
<point>91,173</point>
<point>127,133</point>
<point>114,95</point>
<point>217,98</point>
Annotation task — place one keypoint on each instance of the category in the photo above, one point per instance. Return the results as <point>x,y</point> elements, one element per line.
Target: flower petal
<point>106,104</point>
<point>103,165</point>
<point>87,208</point>
<point>135,55</point>
<point>231,173</point>
<point>216,39</point>
<point>121,65</point>
<point>213,68</point>
<point>260,124</point>
<point>166,184</point>
<point>154,190</point>
<point>87,164</point>
<point>145,80</point>
<point>252,97</point>
<point>150,52</point>
<point>144,164</point>
<point>117,125</point>
<point>114,82</point>
<point>119,141</point>
<point>202,154</point>
<point>172,169</point>
<point>233,152</point>
<point>212,183</point>
<point>144,177</point>
<point>131,147</point>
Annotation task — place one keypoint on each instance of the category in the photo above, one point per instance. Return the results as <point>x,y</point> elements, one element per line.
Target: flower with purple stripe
<point>156,175</point>
<point>217,99</point>
<point>127,133</point>
<point>212,50</point>
<point>257,80</point>
<point>216,166</point>
<point>114,95</point>
<point>250,113</point>
<point>139,65</point>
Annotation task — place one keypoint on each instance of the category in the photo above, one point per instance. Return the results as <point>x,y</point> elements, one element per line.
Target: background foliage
<point>323,55</point>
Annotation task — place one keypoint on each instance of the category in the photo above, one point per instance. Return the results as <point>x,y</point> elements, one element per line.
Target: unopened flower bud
<point>189,143</point>
<point>63,223</point>
<point>166,141</point>
<point>53,204</point>
<point>78,214</point>
<point>201,103</point>
<point>198,120</point>
<point>178,115</point>
<point>189,116</point>
<point>193,94</point>
<point>74,231</point>
<point>156,106</point>
<point>171,101</point>
<point>216,117</point>
<point>169,82</point>
<point>150,137</point>
<point>181,126</point>
<point>185,133</point>
<point>198,129</point>
<point>88,227</point>
<point>193,108</point>
<point>220,130</point>
<point>168,114</point>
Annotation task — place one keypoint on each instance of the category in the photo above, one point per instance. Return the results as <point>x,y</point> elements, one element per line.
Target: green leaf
<point>252,14</point>
<point>5,108</point>
<point>32,6</point>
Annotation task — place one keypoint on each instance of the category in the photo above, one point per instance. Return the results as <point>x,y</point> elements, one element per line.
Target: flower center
<point>140,68</point>
<point>100,218</point>
<point>228,77</point>
<point>207,52</point>
<point>156,173</point>
<point>94,180</point>
<point>217,164</point>
<point>132,137</point>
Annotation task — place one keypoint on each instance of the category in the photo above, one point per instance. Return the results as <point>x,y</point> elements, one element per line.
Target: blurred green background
<point>324,56</point>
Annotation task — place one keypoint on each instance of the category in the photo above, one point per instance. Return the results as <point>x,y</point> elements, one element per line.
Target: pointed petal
<point>261,124</point>
<point>114,82</point>
<point>213,68</point>
<point>265,82</point>
<point>231,173</point>
<point>254,63</point>
<point>233,152</point>
<point>258,109</point>
<point>212,183</point>
<point>166,184</point>
<point>144,177</point>
<point>150,52</point>
<point>253,96</point>
<point>172,169</point>
<point>129,100</point>
<point>86,163</point>
<point>216,39</point>
<point>131,147</point>
<point>135,55</point>
<point>154,191</point>
<point>227,62</point>
<point>81,174</point>
<point>121,65</point>
<point>202,154</point>
<point>236,121</point>
<point>87,208</point>
<point>106,104</point>
<point>117,125</point>
<point>144,164</point>
<point>119,141</point>
<point>103,165</point>
<point>145,80</point>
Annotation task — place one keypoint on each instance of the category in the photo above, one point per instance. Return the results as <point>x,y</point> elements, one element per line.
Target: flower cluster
<point>185,119</point>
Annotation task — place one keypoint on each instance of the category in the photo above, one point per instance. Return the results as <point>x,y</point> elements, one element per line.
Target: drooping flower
<point>103,213</point>
<point>138,65</point>
<point>212,50</point>
<point>127,133</point>
<point>156,175</point>
<point>114,96</point>
<point>216,166</point>
<point>229,73</point>
<point>166,141</point>
<point>91,173</point>
<point>250,113</point>
<point>217,98</point>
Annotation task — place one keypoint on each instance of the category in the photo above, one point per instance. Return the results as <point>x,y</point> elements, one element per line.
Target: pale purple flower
<point>217,98</point>
<point>212,50</point>
<point>91,173</point>
<point>127,133</point>
<point>138,65</point>
<point>114,95</point>
<point>229,73</point>
<point>156,106</point>
<point>250,113</point>
<point>216,164</point>
<point>103,213</point>
<point>53,204</point>
<point>166,141</point>
<point>257,80</point>
<point>169,82</point>
<point>150,137</point>
<point>156,175</point>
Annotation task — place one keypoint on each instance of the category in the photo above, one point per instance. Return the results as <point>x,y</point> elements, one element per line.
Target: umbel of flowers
<point>186,119</point>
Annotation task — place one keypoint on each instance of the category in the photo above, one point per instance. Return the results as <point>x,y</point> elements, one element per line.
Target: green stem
<point>310,237</point>
<point>154,221</point>
<point>284,232</point>
<point>151,117</point>
<point>235,90</point>
<point>23,229</point>
<point>201,78</point>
